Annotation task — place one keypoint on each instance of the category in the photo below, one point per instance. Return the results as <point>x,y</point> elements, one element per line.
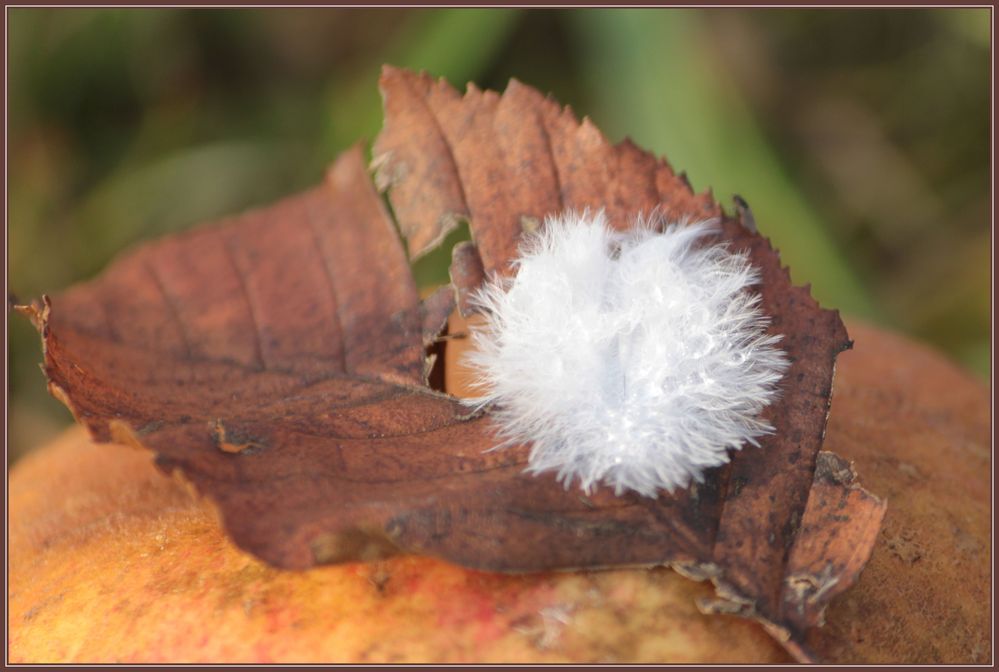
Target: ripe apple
<point>110,561</point>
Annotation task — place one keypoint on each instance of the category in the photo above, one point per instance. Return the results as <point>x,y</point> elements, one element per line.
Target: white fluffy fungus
<point>634,359</point>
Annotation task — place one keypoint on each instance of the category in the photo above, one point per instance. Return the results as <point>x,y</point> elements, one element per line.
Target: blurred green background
<point>859,137</point>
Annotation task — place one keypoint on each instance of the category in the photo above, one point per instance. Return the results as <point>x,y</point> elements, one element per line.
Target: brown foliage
<point>277,361</point>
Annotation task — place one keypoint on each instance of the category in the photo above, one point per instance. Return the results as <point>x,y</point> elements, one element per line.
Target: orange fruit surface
<point>110,561</point>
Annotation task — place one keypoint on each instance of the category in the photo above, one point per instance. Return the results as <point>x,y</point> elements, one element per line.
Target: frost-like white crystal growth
<point>634,359</point>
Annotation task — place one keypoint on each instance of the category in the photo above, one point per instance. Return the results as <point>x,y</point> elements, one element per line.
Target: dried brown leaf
<point>277,361</point>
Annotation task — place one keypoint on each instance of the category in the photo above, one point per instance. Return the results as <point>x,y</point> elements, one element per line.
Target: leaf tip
<point>744,213</point>
<point>389,72</point>
<point>37,311</point>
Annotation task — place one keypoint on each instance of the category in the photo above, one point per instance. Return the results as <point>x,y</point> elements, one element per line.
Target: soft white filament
<point>635,359</point>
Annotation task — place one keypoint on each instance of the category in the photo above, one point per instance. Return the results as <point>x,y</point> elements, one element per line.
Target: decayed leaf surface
<point>277,361</point>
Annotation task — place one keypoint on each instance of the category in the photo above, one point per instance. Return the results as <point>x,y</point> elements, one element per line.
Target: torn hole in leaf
<point>431,269</point>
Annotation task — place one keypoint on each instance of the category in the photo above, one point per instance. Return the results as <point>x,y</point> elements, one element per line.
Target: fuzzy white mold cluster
<point>634,359</point>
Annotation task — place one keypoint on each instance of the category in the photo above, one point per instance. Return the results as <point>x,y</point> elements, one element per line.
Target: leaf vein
<point>172,310</point>
<point>258,342</point>
<point>331,285</point>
